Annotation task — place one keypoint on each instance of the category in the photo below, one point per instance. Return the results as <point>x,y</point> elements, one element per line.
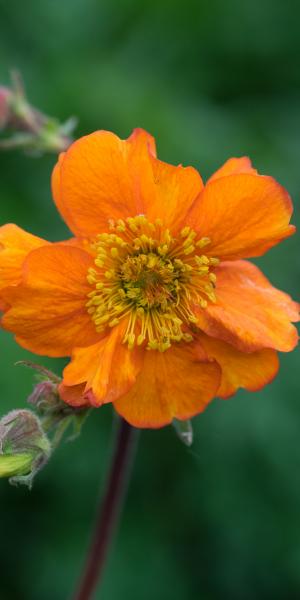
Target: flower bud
<point>29,128</point>
<point>24,446</point>
<point>56,415</point>
<point>15,464</point>
<point>45,396</point>
<point>5,111</point>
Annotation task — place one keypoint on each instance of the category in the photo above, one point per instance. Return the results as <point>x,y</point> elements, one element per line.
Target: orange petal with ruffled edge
<point>98,179</point>
<point>15,245</point>
<point>102,177</point>
<point>244,215</point>
<point>56,187</point>
<point>165,191</point>
<point>239,369</point>
<point>108,368</point>
<point>48,313</point>
<point>75,395</point>
<point>249,313</point>
<point>178,383</point>
<point>232,166</point>
<point>176,189</point>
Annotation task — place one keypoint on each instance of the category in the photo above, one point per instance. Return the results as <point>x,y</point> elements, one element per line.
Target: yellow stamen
<point>150,280</point>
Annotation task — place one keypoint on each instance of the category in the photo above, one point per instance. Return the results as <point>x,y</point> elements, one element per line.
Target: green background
<point>210,80</point>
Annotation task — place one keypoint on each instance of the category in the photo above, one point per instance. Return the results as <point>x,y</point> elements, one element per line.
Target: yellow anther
<point>132,225</point>
<point>189,239</point>
<point>114,322</point>
<point>162,250</point>
<point>204,259</point>
<point>145,239</point>
<point>187,337</point>
<point>189,250</point>
<point>121,225</point>
<point>167,237</point>
<point>102,320</point>
<point>185,232</point>
<point>203,242</point>
<point>131,340</point>
<point>152,260</point>
<point>178,262</point>
<point>99,262</point>
<point>96,300</point>
<point>101,252</point>
<point>214,261</point>
<point>193,319</point>
<point>163,346</point>
<point>140,340</point>
<point>152,345</point>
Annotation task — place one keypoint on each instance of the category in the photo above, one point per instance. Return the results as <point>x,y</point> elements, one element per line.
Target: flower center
<point>150,278</point>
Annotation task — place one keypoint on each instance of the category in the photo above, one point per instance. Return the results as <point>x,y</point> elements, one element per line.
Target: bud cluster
<point>27,440</point>
<point>27,127</point>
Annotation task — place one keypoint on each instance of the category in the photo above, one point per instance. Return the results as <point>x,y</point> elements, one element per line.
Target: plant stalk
<point>109,511</point>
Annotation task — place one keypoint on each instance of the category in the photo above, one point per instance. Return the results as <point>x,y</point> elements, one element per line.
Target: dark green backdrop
<point>210,80</point>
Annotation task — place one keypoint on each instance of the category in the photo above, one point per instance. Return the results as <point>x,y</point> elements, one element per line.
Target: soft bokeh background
<point>210,80</point>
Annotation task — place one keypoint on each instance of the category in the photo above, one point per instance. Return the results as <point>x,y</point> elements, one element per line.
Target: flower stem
<point>109,511</point>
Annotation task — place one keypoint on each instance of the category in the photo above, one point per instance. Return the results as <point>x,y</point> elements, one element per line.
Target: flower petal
<point>239,369</point>
<point>176,189</point>
<point>234,166</point>
<point>15,245</point>
<point>56,187</point>
<point>102,177</point>
<point>98,179</point>
<point>178,383</point>
<point>244,215</point>
<point>75,395</point>
<point>48,313</point>
<point>249,313</point>
<point>107,368</point>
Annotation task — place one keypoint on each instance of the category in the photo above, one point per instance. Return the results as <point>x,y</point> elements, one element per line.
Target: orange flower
<point>152,298</point>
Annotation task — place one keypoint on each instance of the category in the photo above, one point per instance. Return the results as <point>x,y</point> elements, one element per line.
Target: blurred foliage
<point>219,521</point>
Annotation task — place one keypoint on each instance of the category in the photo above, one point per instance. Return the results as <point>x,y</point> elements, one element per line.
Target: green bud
<point>15,464</point>
<point>56,416</point>
<point>24,446</point>
<point>28,128</point>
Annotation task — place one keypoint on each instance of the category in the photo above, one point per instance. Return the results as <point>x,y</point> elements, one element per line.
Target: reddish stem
<point>109,511</point>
